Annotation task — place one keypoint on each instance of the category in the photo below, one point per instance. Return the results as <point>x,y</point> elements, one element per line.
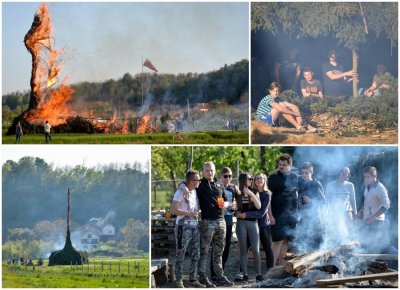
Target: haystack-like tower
<point>68,254</point>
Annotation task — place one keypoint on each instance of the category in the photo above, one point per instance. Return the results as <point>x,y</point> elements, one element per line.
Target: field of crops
<point>99,273</point>
<point>214,137</point>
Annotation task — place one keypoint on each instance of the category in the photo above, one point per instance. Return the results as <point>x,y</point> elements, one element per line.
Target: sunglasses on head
<point>227,176</point>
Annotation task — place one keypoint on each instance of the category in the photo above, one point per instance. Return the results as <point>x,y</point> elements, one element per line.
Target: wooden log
<point>277,273</point>
<point>341,281</point>
<point>381,257</point>
<point>306,261</point>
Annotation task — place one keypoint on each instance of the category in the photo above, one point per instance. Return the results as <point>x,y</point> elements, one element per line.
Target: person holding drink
<point>212,226</point>
<point>229,204</point>
<point>187,235</point>
<point>247,228</point>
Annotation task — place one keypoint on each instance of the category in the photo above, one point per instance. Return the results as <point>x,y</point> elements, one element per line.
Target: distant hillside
<point>228,83</point>
<point>34,190</point>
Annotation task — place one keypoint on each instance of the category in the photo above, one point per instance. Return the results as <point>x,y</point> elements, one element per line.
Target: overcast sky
<point>87,155</point>
<point>104,40</point>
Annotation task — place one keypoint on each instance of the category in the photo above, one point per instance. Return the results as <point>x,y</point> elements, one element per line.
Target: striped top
<point>264,107</point>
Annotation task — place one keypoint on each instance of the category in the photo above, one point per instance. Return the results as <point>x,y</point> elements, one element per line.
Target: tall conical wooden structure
<point>68,254</point>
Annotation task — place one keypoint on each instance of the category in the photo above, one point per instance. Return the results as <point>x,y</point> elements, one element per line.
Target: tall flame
<point>144,126</point>
<point>45,103</point>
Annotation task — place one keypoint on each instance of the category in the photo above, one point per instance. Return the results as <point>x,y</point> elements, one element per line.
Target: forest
<point>35,194</point>
<point>229,84</point>
<point>169,165</point>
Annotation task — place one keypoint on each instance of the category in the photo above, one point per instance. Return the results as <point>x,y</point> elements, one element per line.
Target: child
<point>271,107</point>
<point>309,86</point>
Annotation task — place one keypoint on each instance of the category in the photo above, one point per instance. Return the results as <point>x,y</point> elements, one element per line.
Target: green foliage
<point>229,83</point>
<point>34,191</point>
<point>175,159</point>
<point>382,110</point>
<point>133,231</point>
<point>341,20</point>
<point>80,277</point>
<point>236,137</point>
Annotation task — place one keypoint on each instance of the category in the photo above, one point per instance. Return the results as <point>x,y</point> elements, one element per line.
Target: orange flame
<point>144,126</point>
<point>125,129</point>
<point>45,104</point>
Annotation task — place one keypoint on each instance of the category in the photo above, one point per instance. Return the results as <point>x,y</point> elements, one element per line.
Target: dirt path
<point>231,268</point>
<point>264,134</point>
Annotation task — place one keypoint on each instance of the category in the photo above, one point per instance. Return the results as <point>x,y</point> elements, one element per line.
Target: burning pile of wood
<point>324,268</point>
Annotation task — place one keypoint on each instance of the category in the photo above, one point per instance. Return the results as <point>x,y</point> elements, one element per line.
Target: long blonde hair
<point>265,186</point>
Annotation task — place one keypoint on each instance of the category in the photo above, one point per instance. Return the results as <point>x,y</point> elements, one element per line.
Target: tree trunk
<point>173,178</point>
<point>355,77</point>
<point>189,165</point>
<point>262,158</point>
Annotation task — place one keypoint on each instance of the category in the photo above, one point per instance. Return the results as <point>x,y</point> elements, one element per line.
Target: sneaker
<point>239,277</point>
<point>204,280</point>
<point>259,278</point>
<point>196,284</point>
<point>223,281</point>
<point>179,283</point>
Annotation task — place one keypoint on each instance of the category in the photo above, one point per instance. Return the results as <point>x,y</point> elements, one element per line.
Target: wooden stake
<point>341,281</point>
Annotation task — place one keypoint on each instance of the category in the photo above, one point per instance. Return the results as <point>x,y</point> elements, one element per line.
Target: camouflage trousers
<point>212,233</point>
<point>187,239</point>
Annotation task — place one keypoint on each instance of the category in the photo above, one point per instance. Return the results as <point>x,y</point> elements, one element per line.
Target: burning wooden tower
<point>44,103</point>
<point>68,254</point>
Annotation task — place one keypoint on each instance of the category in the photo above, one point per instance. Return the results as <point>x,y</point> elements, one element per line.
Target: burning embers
<point>45,103</point>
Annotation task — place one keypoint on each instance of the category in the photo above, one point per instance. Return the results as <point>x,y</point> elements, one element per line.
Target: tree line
<point>35,191</point>
<point>229,84</point>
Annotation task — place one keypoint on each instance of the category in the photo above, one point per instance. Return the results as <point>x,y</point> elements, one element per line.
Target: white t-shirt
<point>341,196</point>
<point>47,127</point>
<point>189,204</point>
<point>374,198</point>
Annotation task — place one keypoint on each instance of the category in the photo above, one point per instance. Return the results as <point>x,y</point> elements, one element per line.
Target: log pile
<point>325,268</point>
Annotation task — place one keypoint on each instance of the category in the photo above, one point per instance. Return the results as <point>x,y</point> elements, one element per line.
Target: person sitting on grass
<point>310,86</point>
<point>271,107</point>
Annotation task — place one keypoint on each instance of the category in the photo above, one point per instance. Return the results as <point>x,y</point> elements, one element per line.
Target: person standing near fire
<point>212,225</point>
<point>187,235</point>
<point>311,202</point>
<point>341,199</point>
<point>283,185</point>
<point>376,203</point>
<point>18,133</point>
<point>47,135</point>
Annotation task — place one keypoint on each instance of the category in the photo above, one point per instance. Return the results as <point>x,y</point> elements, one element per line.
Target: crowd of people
<point>280,211</point>
<point>336,82</point>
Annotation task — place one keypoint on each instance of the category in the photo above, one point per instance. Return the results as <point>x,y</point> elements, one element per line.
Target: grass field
<point>92,276</point>
<point>215,137</point>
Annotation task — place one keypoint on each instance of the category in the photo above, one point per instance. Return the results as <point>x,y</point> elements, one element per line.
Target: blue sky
<point>103,40</point>
<point>72,155</point>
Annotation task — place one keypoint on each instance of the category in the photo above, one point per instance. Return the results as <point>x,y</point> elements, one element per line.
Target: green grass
<point>216,137</point>
<point>79,277</point>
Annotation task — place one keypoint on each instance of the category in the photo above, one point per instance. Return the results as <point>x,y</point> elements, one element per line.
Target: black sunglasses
<point>250,178</point>
<point>227,176</point>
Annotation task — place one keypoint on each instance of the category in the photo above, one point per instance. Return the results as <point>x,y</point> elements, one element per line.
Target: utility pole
<point>142,80</point>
